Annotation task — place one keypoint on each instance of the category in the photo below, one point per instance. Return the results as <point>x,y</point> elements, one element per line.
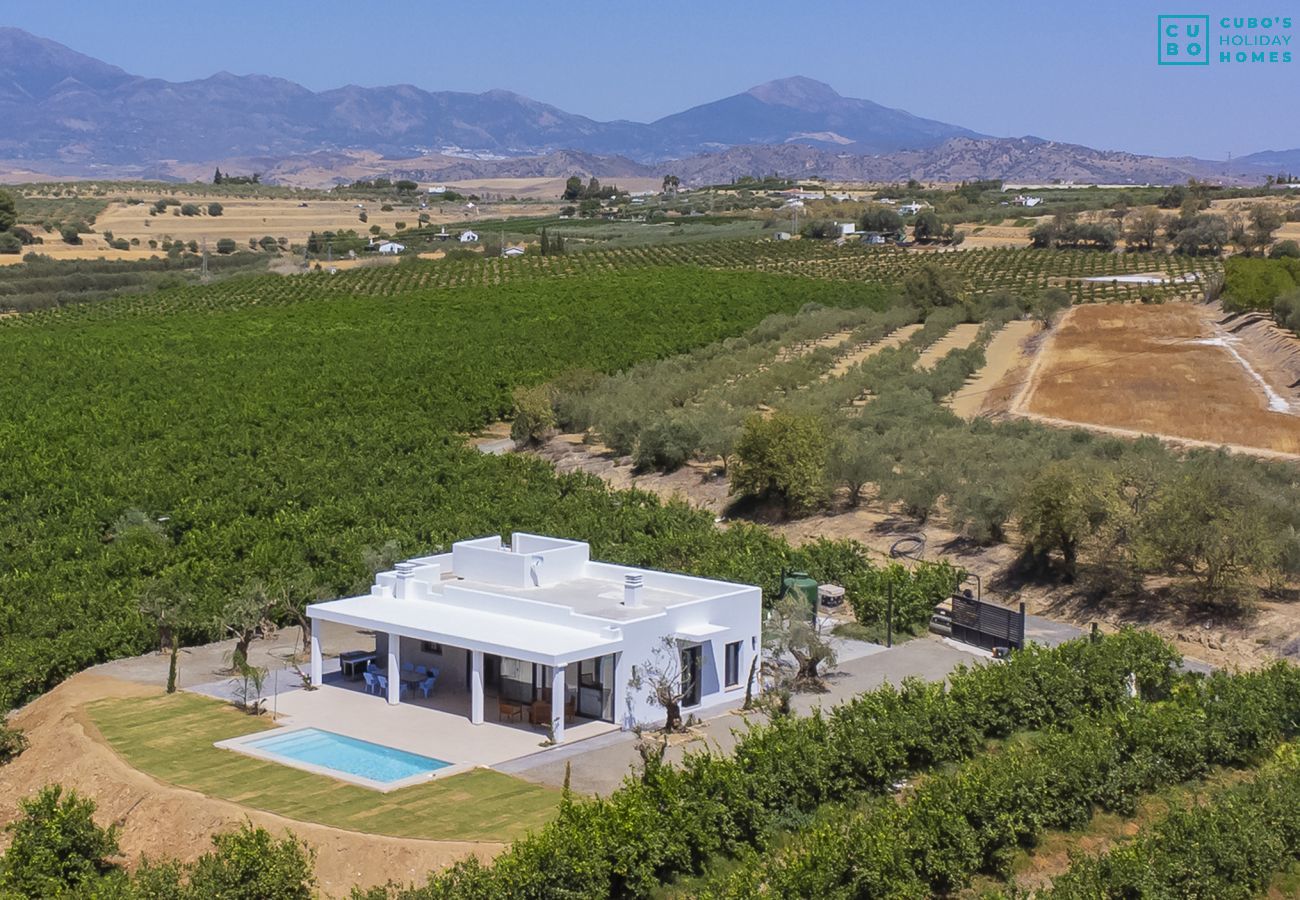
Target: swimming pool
<point>347,755</point>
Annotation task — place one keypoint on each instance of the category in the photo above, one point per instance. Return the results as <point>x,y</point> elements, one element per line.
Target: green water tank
<point>799,584</point>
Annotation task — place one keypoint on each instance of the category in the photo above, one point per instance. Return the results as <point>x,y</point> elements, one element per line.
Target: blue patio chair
<point>370,682</point>
<point>421,670</point>
<point>383,683</point>
<point>427,685</point>
<point>408,667</point>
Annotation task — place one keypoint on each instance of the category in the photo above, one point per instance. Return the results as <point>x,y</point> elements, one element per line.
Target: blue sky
<point>1079,72</point>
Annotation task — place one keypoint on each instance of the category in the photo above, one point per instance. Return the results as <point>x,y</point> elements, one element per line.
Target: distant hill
<point>64,113</point>
<point>957,159</point>
<point>57,104</point>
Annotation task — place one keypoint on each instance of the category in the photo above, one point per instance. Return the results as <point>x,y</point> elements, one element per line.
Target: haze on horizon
<point>1001,68</point>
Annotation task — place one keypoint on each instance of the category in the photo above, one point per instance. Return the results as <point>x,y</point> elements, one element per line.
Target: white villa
<point>547,635</point>
<point>389,248</point>
<point>468,237</point>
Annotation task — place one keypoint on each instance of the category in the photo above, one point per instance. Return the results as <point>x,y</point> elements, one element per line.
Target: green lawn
<point>171,738</point>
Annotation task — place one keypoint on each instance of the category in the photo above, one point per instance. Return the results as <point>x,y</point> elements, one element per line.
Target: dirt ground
<point>1249,642</point>
<point>161,820</point>
<point>1005,354</point>
<point>959,338</point>
<point>866,351</point>
<point>1174,370</point>
<point>980,236</point>
<point>243,219</point>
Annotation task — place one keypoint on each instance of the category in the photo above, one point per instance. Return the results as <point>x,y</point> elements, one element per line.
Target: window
<point>733,664</point>
<point>431,647</point>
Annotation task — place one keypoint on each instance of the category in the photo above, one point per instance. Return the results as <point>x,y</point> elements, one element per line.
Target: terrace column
<point>394,668</point>
<point>317,676</point>
<point>476,687</point>
<point>558,692</point>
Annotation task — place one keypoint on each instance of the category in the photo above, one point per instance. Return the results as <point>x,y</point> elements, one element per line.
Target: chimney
<point>632,590</point>
<point>404,570</point>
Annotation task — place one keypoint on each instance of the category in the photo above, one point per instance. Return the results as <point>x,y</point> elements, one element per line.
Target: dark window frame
<point>731,657</point>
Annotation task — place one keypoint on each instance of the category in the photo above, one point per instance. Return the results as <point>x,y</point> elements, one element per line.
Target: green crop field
<point>278,441</point>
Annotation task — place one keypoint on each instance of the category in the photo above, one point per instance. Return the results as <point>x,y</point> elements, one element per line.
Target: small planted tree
<point>791,631</point>
<point>247,616</point>
<point>670,682</point>
<point>247,685</point>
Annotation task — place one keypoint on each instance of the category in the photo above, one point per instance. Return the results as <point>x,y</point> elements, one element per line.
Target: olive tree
<point>782,458</point>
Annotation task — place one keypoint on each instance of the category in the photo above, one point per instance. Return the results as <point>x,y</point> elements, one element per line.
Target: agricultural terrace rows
<point>801,805</point>
<point>283,443</point>
<point>665,411</point>
<point>972,819</point>
<point>983,271</point>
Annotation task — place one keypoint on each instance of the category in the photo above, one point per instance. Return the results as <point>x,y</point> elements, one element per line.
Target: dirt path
<point>803,348</point>
<point>959,338</point>
<point>866,351</point>
<point>1004,354</point>
<point>161,820</point>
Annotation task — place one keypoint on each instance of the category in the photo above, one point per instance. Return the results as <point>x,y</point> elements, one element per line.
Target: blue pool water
<point>349,755</point>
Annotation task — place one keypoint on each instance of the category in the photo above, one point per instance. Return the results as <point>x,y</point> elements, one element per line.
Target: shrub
<point>57,848</point>
<point>534,416</point>
<point>190,209</point>
<point>1285,250</point>
<point>250,864</point>
<point>12,742</point>
<point>215,209</point>
<point>782,458</point>
<point>226,245</point>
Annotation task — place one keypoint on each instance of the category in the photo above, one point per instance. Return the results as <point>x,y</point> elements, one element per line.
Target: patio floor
<point>437,727</point>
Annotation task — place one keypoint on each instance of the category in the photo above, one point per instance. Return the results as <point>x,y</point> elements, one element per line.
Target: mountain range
<point>65,113</point>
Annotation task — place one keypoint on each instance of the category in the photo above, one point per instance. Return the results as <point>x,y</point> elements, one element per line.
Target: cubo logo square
<point>1183,40</point>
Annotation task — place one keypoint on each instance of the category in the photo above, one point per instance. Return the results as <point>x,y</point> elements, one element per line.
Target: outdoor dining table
<point>353,664</point>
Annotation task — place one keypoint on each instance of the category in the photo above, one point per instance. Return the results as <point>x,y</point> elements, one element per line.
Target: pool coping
<point>245,744</point>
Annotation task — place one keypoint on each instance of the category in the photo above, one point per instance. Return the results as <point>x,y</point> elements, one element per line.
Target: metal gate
<point>987,625</point>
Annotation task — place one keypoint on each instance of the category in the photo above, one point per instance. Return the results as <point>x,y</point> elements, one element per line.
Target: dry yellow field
<point>994,235</point>
<point>1163,370</point>
<point>244,219</point>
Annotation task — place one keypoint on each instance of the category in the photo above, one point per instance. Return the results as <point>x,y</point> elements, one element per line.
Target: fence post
<point>889,617</point>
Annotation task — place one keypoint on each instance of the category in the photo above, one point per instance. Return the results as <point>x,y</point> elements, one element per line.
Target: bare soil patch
<point>866,351</point>
<point>959,338</point>
<point>1171,370</point>
<point>1005,354</point>
<point>160,820</point>
<point>980,236</point>
<point>1260,635</point>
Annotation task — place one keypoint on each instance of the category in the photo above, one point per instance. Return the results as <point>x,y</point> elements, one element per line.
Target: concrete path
<point>599,765</point>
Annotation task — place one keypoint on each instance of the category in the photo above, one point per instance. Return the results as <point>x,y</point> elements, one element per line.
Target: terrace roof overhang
<point>472,629</point>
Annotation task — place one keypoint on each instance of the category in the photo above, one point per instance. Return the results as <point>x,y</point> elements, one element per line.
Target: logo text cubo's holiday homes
<point>1185,40</point>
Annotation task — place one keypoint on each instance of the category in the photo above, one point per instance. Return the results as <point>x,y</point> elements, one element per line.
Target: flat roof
<point>472,629</point>
<point>588,596</point>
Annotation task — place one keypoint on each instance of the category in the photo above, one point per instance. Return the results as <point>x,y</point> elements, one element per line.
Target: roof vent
<point>404,570</point>
<point>632,590</point>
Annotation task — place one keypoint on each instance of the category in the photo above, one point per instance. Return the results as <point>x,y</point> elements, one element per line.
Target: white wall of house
<point>543,600</point>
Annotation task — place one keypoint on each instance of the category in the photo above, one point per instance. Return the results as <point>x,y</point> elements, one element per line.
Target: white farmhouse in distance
<point>391,247</point>
<point>545,632</point>
<point>910,209</point>
<point>1026,200</point>
<point>438,189</point>
<point>468,237</point>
